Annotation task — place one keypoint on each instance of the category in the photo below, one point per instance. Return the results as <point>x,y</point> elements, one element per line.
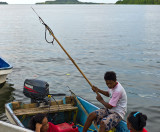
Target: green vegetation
<point>153,2</point>
<point>4,3</point>
<point>65,2</point>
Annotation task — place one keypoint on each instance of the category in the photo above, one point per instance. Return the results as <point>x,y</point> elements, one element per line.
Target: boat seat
<point>52,109</point>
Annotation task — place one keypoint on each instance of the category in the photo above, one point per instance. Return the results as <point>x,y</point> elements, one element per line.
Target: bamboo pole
<point>83,108</point>
<point>80,72</point>
<point>71,59</point>
<point>50,31</point>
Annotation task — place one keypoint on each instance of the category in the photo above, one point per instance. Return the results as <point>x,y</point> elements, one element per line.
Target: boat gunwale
<point>6,68</point>
<point>14,117</point>
<point>94,105</point>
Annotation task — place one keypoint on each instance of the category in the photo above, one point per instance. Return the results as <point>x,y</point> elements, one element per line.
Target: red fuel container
<point>65,127</point>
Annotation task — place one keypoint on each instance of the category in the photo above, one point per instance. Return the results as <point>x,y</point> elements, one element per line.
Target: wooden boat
<point>5,69</point>
<point>67,110</point>
<point>61,112</point>
<point>7,127</point>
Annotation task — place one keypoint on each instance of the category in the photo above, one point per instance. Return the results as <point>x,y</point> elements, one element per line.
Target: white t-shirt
<point>118,99</point>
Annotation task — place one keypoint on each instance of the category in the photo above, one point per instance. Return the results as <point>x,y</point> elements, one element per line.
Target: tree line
<point>65,2</point>
<point>3,3</point>
<point>153,2</point>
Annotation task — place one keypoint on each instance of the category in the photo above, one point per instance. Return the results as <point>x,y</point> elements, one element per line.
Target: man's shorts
<point>110,119</point>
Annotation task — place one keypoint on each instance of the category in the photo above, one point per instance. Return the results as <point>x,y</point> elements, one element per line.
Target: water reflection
<point>5,97</point>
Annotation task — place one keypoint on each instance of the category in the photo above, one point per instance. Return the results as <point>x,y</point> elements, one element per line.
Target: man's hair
<point>137,120</point>
<point>110,75</point>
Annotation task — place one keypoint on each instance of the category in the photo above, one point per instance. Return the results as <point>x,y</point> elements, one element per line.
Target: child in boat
<point>114,110</point>
<point>136,122</point>
<point>39,123</point>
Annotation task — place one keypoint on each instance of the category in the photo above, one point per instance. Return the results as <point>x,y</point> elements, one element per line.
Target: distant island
<point>66,2</point>
<point>149,2</point>
<point>4,3</point>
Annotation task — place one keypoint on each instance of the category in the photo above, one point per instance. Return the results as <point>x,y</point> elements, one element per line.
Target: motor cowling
<point>37,90</point>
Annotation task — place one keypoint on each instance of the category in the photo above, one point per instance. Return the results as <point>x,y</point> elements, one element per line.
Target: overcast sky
<point>35,1</point>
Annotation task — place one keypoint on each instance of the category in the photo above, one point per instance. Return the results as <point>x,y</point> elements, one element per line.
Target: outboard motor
<point>37,90</point>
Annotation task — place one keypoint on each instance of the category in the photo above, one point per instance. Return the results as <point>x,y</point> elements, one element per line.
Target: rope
<point>46,28</point>
<point>46,37</point>
<point>49,96</point>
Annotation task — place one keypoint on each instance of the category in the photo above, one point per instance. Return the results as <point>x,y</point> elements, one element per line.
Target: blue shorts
<point>110,119</point>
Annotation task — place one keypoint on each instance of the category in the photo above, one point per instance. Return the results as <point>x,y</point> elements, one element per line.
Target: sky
<point>35,1</point>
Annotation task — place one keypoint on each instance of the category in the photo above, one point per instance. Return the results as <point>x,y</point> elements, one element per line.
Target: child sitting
<point>136,122</point>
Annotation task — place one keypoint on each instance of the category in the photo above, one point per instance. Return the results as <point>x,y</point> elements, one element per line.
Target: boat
<point>8,127</point>
<point>70,112</point>
<point>5,69</point>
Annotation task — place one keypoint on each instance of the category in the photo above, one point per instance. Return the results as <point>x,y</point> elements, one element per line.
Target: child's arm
<point>38,127</point>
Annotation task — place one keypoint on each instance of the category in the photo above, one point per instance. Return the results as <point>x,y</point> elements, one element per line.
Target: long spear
<point>50,31</point>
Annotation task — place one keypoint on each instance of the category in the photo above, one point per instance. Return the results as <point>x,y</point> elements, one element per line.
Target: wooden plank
<point>15,105</point>
<point>52,109</point>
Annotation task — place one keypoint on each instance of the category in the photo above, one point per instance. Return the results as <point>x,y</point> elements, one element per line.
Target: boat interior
<point>61,111</point>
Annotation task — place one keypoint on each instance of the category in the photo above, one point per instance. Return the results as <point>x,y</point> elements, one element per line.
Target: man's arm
<point>95,89</point>
<point>100,99</point>
<point>106,93</point>
<point>107,105</point>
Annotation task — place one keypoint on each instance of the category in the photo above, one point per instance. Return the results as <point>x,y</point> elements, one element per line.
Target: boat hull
<point>5,69</point>
<point>3,75</point>
<point>7,127</point>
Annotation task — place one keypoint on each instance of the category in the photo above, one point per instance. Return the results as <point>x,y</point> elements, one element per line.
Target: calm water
<point>98,37</point>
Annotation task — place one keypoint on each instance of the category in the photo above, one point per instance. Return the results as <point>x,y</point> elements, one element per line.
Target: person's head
<point>136,121</point>
<point>39,118</point>
<point>111,79</point>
